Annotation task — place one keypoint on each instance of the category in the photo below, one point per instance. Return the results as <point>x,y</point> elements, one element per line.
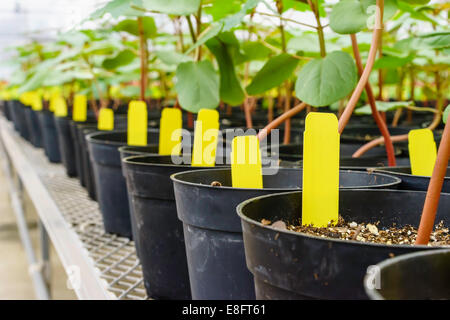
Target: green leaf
<point>176,7</point>
<point>414,13</point>
<point>273,73</point>
<point>323,81</point>
<point>225,24</point>
<point>435,40</point>
<point>197,86</point>
<point>391,62</point>
<point>221,9</point>
<point>117,8</point>
<point>352,16</point>
<point>121,59</point>
<point>171,57</point>
<point>445,114</point>
<point>230,87</point>
<point>33,83</point>
<point>383,106</point>
<point>254,50</point>
<point>421,2</point>
<point>131,26</point>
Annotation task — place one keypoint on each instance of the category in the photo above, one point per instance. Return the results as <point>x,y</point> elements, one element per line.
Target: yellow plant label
<point>37,102</point>
<point>105,119</point>
<point>246,168</point>
<point>422,152</point>
<point>170,131</point>
<point>79,108</point>
<point>137,123</point>
<point>320,170</point>
<point>205,138</point>
<point>60,107</point>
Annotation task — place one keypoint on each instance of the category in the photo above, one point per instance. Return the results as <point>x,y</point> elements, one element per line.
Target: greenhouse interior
<point>224,150</point>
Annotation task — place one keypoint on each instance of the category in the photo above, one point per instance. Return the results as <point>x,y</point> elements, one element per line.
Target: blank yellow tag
<point>205,138</point>
<point>137,123</point>
<point>60,107</point>
<point>246,168</point>
<point>105,119</point>
<point>422,152</point>
<point>37,102</point>
<point>170,127</point>
<point>79,108</point>
<point>320,170</point>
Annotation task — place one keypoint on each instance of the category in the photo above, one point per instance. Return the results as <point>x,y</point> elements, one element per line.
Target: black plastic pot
<point>110,184</point>
<point>91,121</point>
<point>34,127</point>
<point>159,232</point>
<point>411,182</point>
<point>82,129</point>
<point>66,145</point>
<point>415,276</point>
<point>212,230</point>
<point>20,123</point>
<point>7,109</point>
<point>49,136</point>
<point>127,151</point>
<point>292,265</point>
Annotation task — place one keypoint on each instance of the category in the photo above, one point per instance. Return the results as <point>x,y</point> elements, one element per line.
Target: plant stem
<point>434,188</point>
<point>375,114</point>
<point>315,9</point>
<point>369,65</point>
<point>285,19</point>
<point>380,71</point>
<point>399,97</point>
<point>143,57</point>
<point>282,118</point>
<point>198,18</point>
<point>191,29</point>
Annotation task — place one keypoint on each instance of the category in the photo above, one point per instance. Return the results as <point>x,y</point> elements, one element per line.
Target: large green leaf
<point>131,26</point>
<point>352,16</point>
<point>177,7</point>
<point>273,73</point>
<point>383,106</point>
<point>323,81</point>
<point>230,87</point>
<point>197,86</point>
<point>121,59</point>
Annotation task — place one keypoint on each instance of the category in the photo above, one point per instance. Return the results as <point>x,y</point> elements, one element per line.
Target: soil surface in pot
<point>367,232</point>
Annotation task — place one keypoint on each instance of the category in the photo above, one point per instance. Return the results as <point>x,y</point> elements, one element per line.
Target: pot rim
<point>386,171</point>
<point>373,293</point>
<point>241,215</point>
<point>128,160</point>
<point>174,178</point>
<point>91,137</point>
